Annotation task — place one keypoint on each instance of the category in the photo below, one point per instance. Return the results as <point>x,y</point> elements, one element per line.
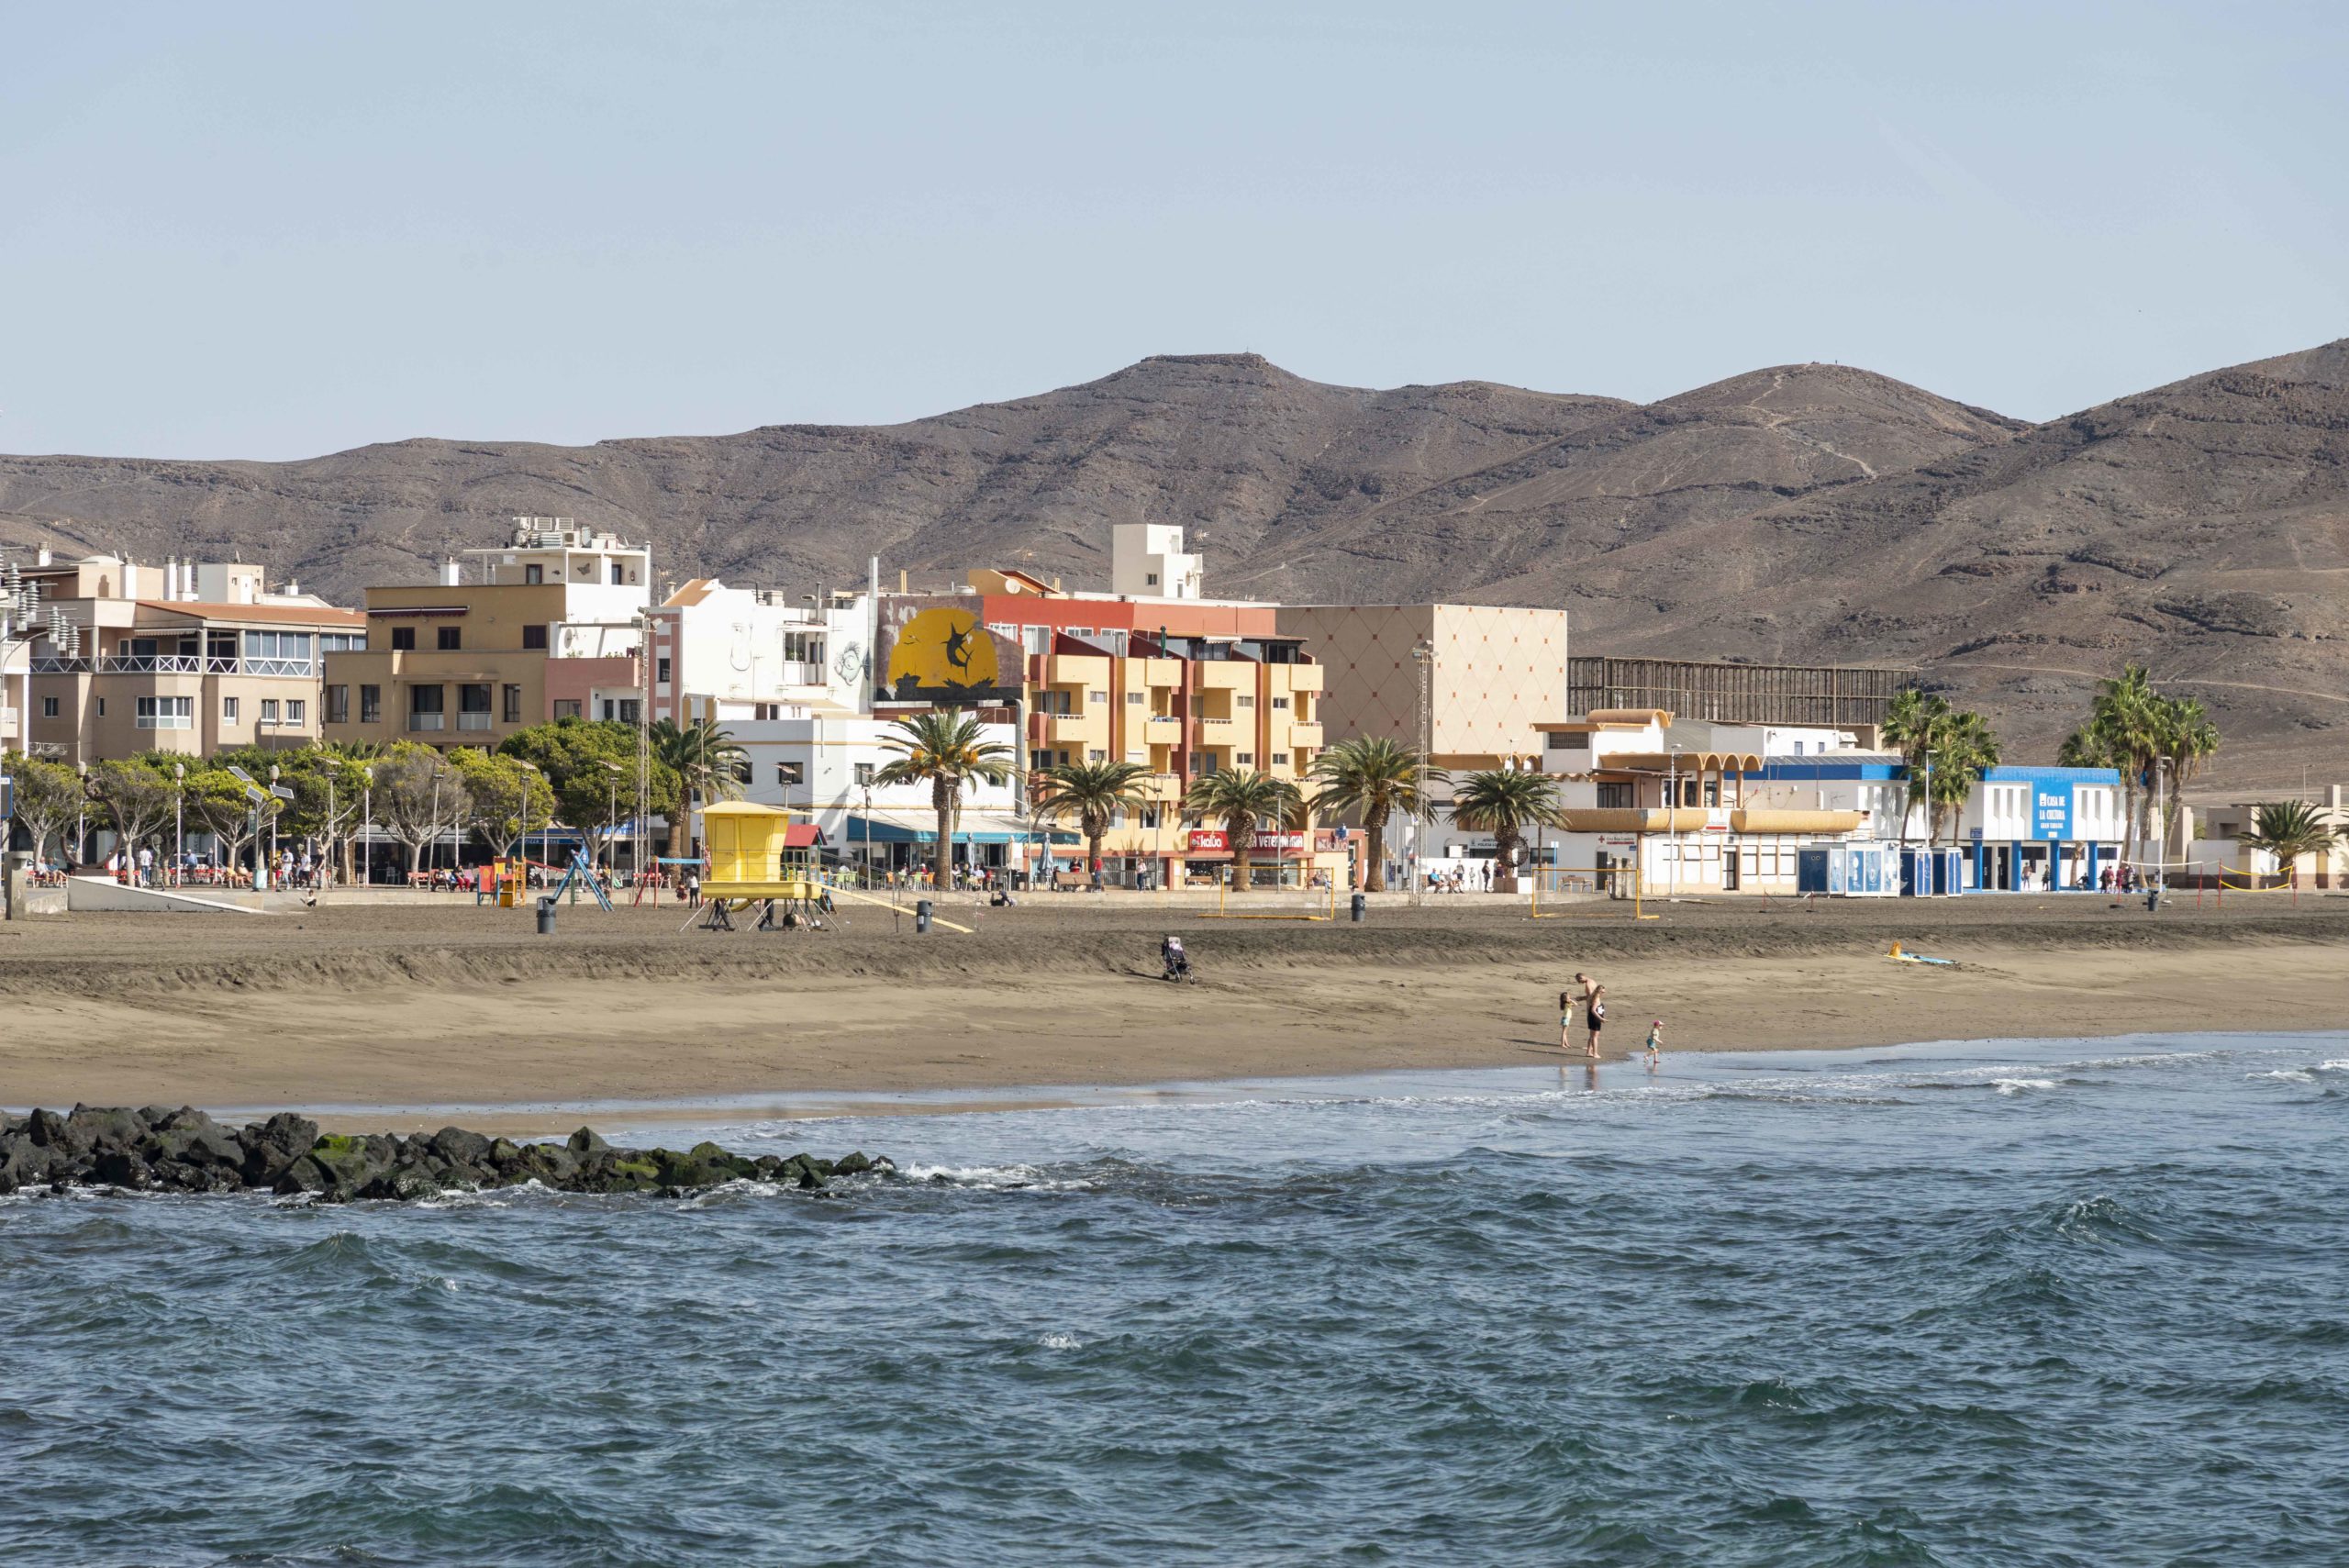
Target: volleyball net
<point>1585,892</point>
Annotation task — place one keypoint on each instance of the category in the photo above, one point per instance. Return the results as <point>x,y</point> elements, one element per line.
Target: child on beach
<point>1656,1043</point>
<point>1565,1020</point>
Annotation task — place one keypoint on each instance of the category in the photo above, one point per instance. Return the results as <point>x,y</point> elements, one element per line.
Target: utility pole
<point>1423,655</point>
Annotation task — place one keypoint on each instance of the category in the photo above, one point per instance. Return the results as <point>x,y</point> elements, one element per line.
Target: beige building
<point>551,628</point>
<point>1494,674</point>
<point>186,656</point>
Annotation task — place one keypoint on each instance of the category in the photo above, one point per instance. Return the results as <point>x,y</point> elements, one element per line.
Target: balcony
<point>173,664</point>
<point>470,720</point>
<point>427,721</point>
<point>1163,728</point>
<point>1305,732</point>
<point>1304,677</point>
<point>1217,731</point>
<point>1065,729</point>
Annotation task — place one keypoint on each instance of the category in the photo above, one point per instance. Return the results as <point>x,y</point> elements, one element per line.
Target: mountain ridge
<point>1803,512</point>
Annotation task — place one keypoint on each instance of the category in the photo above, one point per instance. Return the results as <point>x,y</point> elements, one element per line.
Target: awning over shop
<point>921,828</point>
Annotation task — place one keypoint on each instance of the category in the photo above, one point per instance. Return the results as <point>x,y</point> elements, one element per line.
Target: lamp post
<point>366,826</point>
<point>543,821</point>
<point>611,814</point>
<point>272,827</point>
<point>179,822</point>
<point>82,813</point>
<point>1672,816</point>
<point>432,844</point>
<point>1423,655</point>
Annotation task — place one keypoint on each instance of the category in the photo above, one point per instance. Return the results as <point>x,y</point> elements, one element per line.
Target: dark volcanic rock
<point>156,1148</point>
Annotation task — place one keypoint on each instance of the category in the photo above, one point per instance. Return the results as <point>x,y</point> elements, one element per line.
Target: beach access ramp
<point>104,894</point>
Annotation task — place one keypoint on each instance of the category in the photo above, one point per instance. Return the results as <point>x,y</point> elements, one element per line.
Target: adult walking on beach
<point>1594,1008</point>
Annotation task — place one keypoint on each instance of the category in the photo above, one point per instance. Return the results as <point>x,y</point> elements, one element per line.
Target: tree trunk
<point>941,869</point>
<point>1374,827</point>
<point>1505,844</point>
<point>1093,847</point>
<point>1242,836</point>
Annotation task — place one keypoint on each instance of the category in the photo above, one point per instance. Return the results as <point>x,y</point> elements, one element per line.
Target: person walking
<point>1595,1016</point>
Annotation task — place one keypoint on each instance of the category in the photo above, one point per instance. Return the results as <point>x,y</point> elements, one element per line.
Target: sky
<point>247,230</point>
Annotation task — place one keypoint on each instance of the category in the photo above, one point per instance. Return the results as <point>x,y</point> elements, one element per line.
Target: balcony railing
<point>472,721</point>
<point>172,664</point>
<point>426,720</point>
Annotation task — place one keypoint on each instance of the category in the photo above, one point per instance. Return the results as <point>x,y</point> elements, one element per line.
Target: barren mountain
<point>1805,512</point>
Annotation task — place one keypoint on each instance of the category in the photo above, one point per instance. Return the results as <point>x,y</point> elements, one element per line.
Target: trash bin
<point>1360,907</point>
<point>921,913</point>
<point>546,916</point>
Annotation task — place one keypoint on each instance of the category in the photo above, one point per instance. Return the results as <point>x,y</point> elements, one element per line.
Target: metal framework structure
<point>1736,693</point>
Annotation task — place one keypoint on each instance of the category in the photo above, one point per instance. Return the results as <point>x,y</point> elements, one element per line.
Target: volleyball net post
<point>1586,893</point>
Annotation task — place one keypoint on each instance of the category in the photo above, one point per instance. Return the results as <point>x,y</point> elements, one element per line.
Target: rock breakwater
<point>156,1148</point>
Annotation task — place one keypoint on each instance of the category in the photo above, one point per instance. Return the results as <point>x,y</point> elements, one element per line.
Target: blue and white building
<point>1701,808</point>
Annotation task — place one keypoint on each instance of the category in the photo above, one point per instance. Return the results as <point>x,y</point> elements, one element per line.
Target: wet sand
<point>369,1010</point>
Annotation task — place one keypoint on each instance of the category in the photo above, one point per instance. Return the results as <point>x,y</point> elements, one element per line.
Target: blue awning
<point>978,828</point>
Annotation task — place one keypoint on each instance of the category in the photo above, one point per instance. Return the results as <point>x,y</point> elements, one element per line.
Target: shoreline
<point>392,1019</point>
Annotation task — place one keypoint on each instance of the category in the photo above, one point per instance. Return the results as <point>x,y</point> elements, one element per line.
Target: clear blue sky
<point>273,231</point>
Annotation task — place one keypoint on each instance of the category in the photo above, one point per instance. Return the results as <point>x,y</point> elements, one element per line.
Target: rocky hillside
<point>1804,512</point>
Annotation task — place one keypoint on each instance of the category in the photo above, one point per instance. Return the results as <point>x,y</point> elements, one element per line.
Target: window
<point>1097,755</point>
<point>1280,702</point>
<point>512,713</point>
<point>371,705</point>
<point>1614,796</point>
<point>338,705</point>
<point>403,640</point>
<point>292,646</point>
<point>1280,759</point>
<point>661,674</point>
<point>804,647</point>
<point>566,707</point>
<point>297,710</point>
<point>1576,740</point>
<point>48,707</point>
<point>102,708</point>
<point>450,638</point>
<point>1135,696</point>
<point>616,574</point>
<point>166,713</point>
<point>1243,701</point>
<point>611,710</point>
<point>629,706</point>
<point>534,574</point>
<point>1150,578</point>
<point>473,704</point>
<point>1096,696</point>
<point>425,706</point>
<point>1202,762</point>
<point>1245,758</point>
<point>535,636</point>
<point>342,641</point>
<point>1035,640</point>
<point>863,774</point>
<point>269,710</point>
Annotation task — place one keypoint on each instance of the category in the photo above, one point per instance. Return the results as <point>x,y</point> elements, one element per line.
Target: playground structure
<point>1593,892</point>
<point>1316,904</point>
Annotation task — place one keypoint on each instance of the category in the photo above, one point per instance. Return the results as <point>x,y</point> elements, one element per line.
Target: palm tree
<point>709,762</point>
<point>1238,798</point>
<point>1092,792</point>
<point>1914,725</point>
<point>2188,739</point>
<point>2124,728</point>
<point>1966,749</point>
<point>2288,830</point>
<point>1504,804</point>
<point>1377,777</point>
<point>948,750</point>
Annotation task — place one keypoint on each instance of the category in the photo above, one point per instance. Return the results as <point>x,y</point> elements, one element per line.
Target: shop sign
<point>1209,840</point>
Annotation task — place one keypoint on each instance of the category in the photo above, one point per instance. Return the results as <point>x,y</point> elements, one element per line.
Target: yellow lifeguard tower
<point>757,853</point>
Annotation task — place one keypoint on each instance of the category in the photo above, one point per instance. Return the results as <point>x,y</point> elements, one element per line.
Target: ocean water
<point>2056,1303</point>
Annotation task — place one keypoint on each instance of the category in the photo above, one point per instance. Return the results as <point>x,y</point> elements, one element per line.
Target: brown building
<point>549,629</point>
<point>185,656</point>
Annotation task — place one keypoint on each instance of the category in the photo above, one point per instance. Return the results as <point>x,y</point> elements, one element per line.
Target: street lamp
<point>611,814</point>
<point>367,826</point>
<point>1672,816</point>
<point>272,827</point>
<point>82,814</point>
<point>543,821</point>
<point>179,822</point>
<point>1423,655</point>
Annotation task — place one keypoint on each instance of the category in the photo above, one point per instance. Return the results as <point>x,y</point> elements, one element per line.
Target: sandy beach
<point>366,1008</point>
